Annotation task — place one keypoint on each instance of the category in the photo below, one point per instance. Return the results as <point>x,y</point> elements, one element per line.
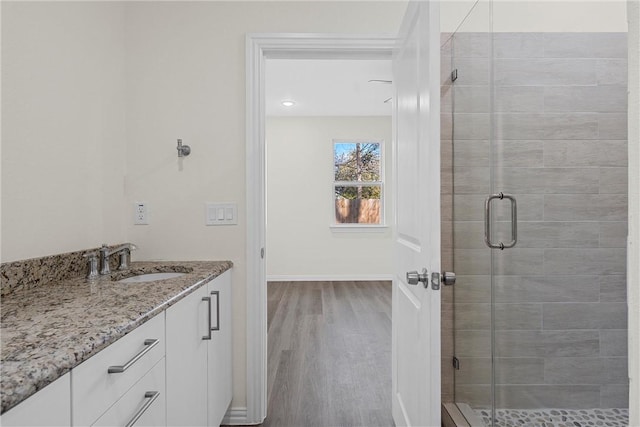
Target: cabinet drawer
<point>95,389</point>
<point>144,402</point>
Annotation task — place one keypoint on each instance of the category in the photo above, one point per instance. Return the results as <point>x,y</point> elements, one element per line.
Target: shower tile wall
<point>560,109</point>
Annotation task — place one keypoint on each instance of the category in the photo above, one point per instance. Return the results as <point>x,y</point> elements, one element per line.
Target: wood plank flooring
<point>329,354</point>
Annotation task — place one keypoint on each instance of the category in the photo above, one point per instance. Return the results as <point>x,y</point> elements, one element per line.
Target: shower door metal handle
<point>487,221</point>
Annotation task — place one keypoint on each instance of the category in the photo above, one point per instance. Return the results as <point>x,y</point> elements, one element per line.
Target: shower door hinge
<point>454,75</point>
<point>456,363</point>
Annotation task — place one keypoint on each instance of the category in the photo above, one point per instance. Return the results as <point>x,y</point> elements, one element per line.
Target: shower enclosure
<point>534,196</point>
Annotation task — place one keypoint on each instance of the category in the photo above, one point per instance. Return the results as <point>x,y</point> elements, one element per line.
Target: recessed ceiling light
<point>288,103</point>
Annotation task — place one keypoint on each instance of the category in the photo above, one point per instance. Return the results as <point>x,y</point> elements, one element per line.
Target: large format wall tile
<point>613,180</point>
<point>584,261</point>
<point>540,72</point>
<point>585,207</point>
<point>519,99</point>
<point>585,45</point>
<point>512,153</point>
<point>614,396</point>
<point>612,126</point>
<point>599,99</point>
<point>613,288</point>
<point>472,71</point>
<point>518,45</point>
<point>546,289</point>
<point>612,72</point>
<point>569,234</point>
<point>548,396</point>
<point>613,342</point>
<point>548,180</point>
<point>602,315</point>
<point>585,153</point>
<point>585,370</point>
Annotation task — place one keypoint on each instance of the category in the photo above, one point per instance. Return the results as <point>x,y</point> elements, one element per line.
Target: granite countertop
<point>48,330</point>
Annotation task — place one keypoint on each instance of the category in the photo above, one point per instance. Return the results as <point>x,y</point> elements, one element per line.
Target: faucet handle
<point>93,264</point>
<point>125,255</point>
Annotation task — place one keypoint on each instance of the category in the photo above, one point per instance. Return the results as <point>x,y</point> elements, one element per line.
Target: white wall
<point>63,139</point>
<point>186,79</point>
<point>633,254</point>
<point>300,243</point>
<point>536,15</point>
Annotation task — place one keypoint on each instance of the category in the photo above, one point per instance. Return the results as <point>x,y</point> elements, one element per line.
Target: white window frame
<point>338,227</point>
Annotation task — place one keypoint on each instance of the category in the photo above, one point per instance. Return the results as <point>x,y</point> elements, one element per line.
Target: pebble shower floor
<point>557,417</point>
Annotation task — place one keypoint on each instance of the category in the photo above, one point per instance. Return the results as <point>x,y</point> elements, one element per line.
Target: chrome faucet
<point>123,250</point>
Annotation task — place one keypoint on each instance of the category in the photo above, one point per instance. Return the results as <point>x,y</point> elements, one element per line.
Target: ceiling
<point>328,87</point>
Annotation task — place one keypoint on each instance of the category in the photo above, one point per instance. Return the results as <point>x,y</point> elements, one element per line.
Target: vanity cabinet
<point>51,406</point>
<point>199,355</point>
<point>173,370</point>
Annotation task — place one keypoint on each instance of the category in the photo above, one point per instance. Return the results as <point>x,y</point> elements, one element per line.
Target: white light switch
<point>221,213</point>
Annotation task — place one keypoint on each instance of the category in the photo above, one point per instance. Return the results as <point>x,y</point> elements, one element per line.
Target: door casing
<point>258,48</point>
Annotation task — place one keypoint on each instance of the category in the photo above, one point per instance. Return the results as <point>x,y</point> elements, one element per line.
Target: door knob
<point>448,278</point>
<point>413,277</point>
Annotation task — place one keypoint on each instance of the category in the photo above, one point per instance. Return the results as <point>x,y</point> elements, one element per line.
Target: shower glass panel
<point>471,183</point>
<point>538,178</point>
<point>559,295</point>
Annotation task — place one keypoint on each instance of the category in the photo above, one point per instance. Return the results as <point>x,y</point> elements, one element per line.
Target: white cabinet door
<point>143,405</point>
<point>220,351</point>
<point>416,304</point>
<point>187,325</point>
<point>51,406</point>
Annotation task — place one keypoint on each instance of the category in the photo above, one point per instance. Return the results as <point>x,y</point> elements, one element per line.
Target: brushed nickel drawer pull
<point>118,369</point>
<point>152,396</point>
<point>217,327</point>
<point>208,336</point>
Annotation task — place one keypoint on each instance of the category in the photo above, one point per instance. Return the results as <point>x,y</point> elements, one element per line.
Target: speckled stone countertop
<point>48,330</point>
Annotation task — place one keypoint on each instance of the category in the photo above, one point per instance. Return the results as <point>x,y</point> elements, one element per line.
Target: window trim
<point>354,226</point>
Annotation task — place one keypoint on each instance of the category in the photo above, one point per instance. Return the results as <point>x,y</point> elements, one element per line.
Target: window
<point>357,182</point>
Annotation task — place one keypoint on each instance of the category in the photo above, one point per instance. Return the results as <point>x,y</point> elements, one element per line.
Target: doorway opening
<point>260,49</point>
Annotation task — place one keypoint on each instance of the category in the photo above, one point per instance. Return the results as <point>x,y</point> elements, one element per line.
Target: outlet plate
<point>221,214</point>
<point>140,213</point>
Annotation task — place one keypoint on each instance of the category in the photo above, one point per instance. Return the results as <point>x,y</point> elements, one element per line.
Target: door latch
<point>435,281</point>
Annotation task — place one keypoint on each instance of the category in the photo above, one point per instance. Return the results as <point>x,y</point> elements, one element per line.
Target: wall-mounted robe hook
<point>183,150</point>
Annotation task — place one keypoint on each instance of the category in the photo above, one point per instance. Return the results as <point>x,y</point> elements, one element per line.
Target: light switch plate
<point>221,213</point>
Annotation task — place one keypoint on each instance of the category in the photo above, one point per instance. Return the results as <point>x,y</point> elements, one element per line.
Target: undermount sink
<point>150,277</point>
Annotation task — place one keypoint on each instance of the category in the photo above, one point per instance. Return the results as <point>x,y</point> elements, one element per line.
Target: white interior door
<point>416,308</point>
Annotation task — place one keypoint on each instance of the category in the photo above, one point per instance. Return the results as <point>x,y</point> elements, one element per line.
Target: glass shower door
<point>558,294</point>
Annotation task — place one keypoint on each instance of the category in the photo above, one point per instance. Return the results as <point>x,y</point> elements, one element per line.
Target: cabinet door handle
<point>208,336</point>
<point>152,396</point>
<point>118,369</point>
<point>217,294</point>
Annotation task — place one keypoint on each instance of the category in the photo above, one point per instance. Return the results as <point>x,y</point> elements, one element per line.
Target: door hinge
<point>454,75</point>
<point>456,363</point>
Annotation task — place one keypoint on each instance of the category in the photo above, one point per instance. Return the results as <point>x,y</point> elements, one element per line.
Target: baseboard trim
<point>328,278</point>
<point>237,416</point>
